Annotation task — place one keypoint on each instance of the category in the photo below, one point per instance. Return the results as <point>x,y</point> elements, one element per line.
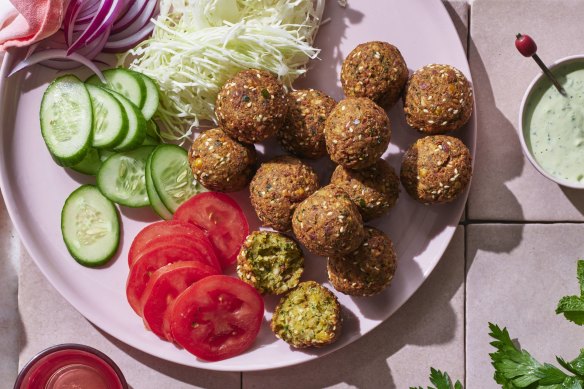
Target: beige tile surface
<point>48,319</point>
<point>516,276</point>
<point>398,353</point>
<point>505,186</point>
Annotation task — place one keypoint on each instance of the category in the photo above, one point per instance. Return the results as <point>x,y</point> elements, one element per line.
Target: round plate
<point>35,189</point>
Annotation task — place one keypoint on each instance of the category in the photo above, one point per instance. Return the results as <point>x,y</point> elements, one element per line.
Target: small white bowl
<point>523,131</point>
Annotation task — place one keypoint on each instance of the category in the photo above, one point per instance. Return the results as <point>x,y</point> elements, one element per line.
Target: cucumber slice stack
<point>106,130</point>
<point>81,120</point>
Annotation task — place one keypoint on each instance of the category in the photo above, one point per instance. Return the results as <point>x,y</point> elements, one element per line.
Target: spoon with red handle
<point>527,48</point>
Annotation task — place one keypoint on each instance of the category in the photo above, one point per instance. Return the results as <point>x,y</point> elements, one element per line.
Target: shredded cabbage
<point>197,45</point>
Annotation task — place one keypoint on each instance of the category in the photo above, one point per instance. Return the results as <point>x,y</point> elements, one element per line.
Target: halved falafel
<point>309,315</point>
<point>270,262</point>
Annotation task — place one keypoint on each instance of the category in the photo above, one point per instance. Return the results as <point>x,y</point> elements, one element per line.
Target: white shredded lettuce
<point>197,45</point>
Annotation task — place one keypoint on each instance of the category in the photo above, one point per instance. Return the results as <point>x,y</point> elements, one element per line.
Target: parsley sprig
<point>441,380</point>
<point>515,368</point>
<point>573,306</point>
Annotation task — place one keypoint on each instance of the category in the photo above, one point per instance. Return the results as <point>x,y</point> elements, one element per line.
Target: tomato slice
<point>162,289</point>
<point>160,230</point>
<point>217,317</point>
<point>197,243</point>
<point>222,219</point>
<point>152,260</point>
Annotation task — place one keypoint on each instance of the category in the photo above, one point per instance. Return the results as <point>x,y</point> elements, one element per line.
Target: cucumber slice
<point>110,120</point>
<point>136,125</point>
<point>105,154</point>
<point>152,129</point>
<point>66,120</point>
<point>152,97</point>
<point>172,176</point>
<point>155,200</point>
<point>124,82</point>
<point>150,141</point>
<point>90,164</point>
<point>90,226</point>
<point>122,177</point>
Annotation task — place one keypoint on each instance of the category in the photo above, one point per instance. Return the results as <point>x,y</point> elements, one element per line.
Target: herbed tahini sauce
<point>555,124</point>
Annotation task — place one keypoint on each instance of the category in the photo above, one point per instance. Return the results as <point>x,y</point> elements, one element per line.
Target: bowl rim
<point>69,346</point>
<point>528,93</point>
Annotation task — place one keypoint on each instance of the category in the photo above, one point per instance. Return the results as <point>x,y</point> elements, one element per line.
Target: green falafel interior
<point>271,262</point>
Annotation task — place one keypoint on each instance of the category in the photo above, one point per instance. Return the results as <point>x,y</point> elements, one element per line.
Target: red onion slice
<point>127,43</point>
<point>88,8</point>
<point>98,17</point>
<point>71,14</point>
<point>105,25</point>
<point>149,12</point>
<point>55,54</point>
<point>135,10</point>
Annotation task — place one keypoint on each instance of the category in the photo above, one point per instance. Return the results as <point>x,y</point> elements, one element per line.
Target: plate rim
<point>27,241</point>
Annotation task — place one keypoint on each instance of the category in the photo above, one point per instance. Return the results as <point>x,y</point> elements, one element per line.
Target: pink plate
<point>35,188</point>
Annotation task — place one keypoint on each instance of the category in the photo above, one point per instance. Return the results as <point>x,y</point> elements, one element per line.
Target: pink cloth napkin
<point>32,21</point>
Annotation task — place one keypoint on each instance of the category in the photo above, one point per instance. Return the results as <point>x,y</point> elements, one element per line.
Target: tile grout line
<point>467,222</point>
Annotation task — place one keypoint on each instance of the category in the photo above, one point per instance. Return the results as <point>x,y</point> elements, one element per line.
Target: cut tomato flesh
<point>163,288</point>
<point>158,231</point>
<point>152,260</point>
<point>217,317</point>
<point>197,243</point>
<point>222,219</point>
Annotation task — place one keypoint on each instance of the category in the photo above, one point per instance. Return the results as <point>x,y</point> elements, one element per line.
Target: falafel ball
<point>437,99</point>
<point>303,131</point>
<point>367,270</point>
<point>251,106</point>
<point>328,222</point>
<point>374,190</point>
<point>220,163</point>
<point>278,187</point>
<point>310,315</point>
<point>270,262</point>
<point>375,70</point>
<point>357,133</point>
<point>436,169</point>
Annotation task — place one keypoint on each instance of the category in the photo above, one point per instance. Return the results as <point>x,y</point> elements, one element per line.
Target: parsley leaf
<point>441,380</point>
<point>515,368</point>
<point>573,306</point>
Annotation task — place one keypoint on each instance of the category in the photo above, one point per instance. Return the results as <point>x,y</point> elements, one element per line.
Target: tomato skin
<point>152,260</point>
<point>221,218</point>
<point>217,317</point>
<point>158,231</point>
<point>162,289</point>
